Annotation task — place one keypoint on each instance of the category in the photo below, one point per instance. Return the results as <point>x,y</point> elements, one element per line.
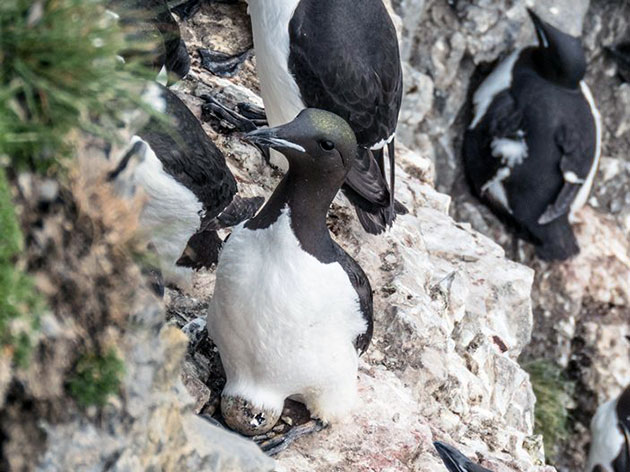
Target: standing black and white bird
<point>532,149</point>
<point>610,436</point>
<point>154,36</point>
<point>455,461</point>
<point>342,57</point>
<point>292,311</point>
<point>190,191</point>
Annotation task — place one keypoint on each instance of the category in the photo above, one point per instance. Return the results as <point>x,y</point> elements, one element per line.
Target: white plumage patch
<point>270,27</point>
<point>383,142</point>
<point>152,96</point>
<point>279,90</point>
<point>499,80</point>
<point>285,323</point>
<point>572,178</point>
<point>606,438</point>
<point>494,187</point>
<point>512,152</point>
<point>582,195</point>
<point>171,215</point>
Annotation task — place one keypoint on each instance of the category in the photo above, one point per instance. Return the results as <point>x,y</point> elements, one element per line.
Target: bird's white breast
<point>270,26</point>
<point>284,322</point>
<point>607,440</point>
<point>499,80</point>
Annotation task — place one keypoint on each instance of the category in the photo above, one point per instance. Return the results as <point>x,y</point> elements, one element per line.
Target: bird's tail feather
<point>370,194</point>
<point>557,241</point>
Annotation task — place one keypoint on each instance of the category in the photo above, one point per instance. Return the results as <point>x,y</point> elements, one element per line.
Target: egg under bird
<point>155,37</point>
<point>190,191</point>
<point>610,436</point>
<point>532,149</point>
<point>341,57</point>
<point>455,461</point>
<point>292,311</point>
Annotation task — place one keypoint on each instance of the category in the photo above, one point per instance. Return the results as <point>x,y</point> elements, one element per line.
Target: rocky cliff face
<point>581,307</point>
<point>452,313</point>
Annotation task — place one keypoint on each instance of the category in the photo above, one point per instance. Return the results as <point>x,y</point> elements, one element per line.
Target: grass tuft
<point>19,303</point>
<point>95,378</point>
<point>59,71</point>
<point>553,392</point>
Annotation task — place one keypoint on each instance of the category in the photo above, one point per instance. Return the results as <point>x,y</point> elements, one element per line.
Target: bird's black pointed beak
<point>454,460</point>
<point>541,28</point>
<point>278,138</point>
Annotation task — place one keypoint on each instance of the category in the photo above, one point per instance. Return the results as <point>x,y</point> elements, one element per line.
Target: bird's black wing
<point>189,155</point>
<point>575,169</point>
<point>349,64</point>
<point>504,119</point>
<point>361,284</point>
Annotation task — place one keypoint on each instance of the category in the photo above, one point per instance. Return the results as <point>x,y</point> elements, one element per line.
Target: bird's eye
<point>327,145</point>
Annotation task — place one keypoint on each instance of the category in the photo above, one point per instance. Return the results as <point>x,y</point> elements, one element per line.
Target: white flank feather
<point>582,195</point>
<point>496,189</point>
<point>499,80</point>
<point>512,152</point>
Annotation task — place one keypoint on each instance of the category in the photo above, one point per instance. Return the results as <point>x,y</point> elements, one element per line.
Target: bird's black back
<point>345,59</point>
<point>189,155</point>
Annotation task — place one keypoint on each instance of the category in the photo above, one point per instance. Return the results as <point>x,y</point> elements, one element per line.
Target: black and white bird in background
<point>154,37</point>
<point>610,436</point>
<point>532,149</point>
<point>190,191</point>
<point>291,310</point>
<point>455,461</point>
<point>341,57</point>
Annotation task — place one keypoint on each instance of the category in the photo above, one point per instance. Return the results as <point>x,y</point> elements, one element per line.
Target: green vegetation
<point>18,301</point>
<point>59,72</point>
<point>552,392</point>
<point>59,75</point>
<point>96,377</point>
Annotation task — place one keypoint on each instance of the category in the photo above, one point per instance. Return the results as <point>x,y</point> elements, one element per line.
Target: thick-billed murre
<point>190,191</point>
<point>610,436</point>
<point>342,57</point>
<point>291,310</point>
<point>532,149</point>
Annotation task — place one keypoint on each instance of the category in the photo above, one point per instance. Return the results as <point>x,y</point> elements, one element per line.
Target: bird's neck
<point>308,200</point>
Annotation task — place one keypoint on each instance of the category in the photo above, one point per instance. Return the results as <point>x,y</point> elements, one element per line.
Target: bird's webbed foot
<point>280,442</point>
<point>222,64</point>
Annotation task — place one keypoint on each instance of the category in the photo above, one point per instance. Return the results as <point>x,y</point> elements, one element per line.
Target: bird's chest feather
<point>267,283</point>
<point>270,26</point>
<point>607,438</point>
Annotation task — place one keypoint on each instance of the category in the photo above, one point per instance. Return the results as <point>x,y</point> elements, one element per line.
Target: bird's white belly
<point>283,322</point>
<point>171,214</point>
<point>270,26</point>
<point>607,439</point>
